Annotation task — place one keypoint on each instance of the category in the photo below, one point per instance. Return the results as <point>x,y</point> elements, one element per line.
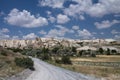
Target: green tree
<point>74,49</point>
<point>45,56</point>
<point>3,53</point>
<point>55,50</point>
<point>66,60</point>
<point>25,62</point>
<point>108,51</point>
<point>101,50</point>
<point>81,52</point>
<point>113,51</point>
<point>45,50</point>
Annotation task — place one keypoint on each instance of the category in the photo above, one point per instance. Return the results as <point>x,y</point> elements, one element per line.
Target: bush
<point>101,50</point>
<point>58,61</point>
<point>81,53</point>
<point>66,60</point>
<point>93,55</point>
<point>108,51</point>
<point>15,49</point>
<point>45,56</point>
<point>25,62</point>
<point>3,53</point>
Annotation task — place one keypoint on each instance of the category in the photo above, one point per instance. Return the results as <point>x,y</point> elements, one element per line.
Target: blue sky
<point>75,19</point>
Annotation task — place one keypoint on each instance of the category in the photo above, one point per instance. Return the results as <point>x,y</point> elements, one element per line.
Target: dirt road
<point>45,71</point>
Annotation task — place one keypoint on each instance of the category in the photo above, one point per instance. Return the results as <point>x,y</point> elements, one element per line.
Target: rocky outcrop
<point>50,42</point>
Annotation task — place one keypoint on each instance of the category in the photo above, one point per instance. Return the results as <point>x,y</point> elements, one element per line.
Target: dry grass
<point>107,72</point>
<point>110,73</point>
<point>7,64</point>
<point>99,58</point>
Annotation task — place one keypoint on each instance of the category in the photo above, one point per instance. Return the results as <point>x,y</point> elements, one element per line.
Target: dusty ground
<point>45,71</point>
<point>99,58</point>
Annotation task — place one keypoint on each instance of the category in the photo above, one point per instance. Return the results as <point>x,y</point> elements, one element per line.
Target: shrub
<point>3,53</point>
<point>57,61</point>
<point>66,60</point>
<point>74,49</point>
<point>113,51</point>
<point>108,51</point>
<point>81,53</point>
<point>15,49</point>
<point>25,62</point>
<point>101,50</point>
<point>45,56</point>
<point>93,55</point>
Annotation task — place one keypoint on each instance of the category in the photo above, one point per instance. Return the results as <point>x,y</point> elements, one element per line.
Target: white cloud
<point>52,3</point>
<point>106,24</point>
<point>25,19</point>
<point>104,7</point>
<point>117,15</point>
<point>51,19</point>
<point>3,34</point>
<point>53,33</point>
<point>94,33</point>
<point>4,30</point>
<point>75,27</point>
<point>30,36</point>
<point>2,13</point>
<point>42,32</point>
<point>62,18</point>
<point>117,37</point>
<point>79,9</point>
<point>71,31</point>
<point>59,32</point>
<point>49,12</point>
<point>102,33</point>
<point>82,17</point>
<point>15,37</point>
<point>99,9</point>
<point>85,34</point>
<point>115,32</point>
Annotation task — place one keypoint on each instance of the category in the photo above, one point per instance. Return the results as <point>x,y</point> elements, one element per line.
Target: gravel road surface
<point>45,71</point>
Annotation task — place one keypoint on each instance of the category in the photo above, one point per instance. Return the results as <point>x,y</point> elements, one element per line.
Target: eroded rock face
<point>38,42</point>
<point>13,43</point>
<point>50,42</point>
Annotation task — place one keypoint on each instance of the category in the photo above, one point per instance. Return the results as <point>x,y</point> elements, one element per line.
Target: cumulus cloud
<point>81,17</point>
<point>85,34</point>
<point>49,12</point>
<point>106,24</point>
<point>52,3</point>
<point>62,18</point>
<point>15,37</point>
<point>75,27</point>
<point>117,37</point>
<point>79,9</point>
<point>99,9</point>
<point>2,13</point>
<point>3,34</point>
<point>25,19</point>
<point>59,32</point>
<point>52,19</point>
<point>42,32</point>
<point>117,15</point>
<point>102,33</point>
<point>30,36</point>
<point>4,30</point>
<point>115,31</point>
